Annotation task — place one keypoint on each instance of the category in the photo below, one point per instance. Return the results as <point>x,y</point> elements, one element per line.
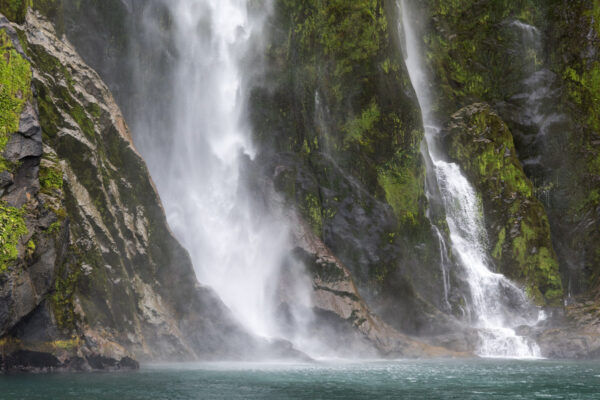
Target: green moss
<point>61,299</point>
<point>488,153</point>
<point>30,248</point>
<point>584,87</point>
<point>497,252</point>
<point>15,90</point>
<point>12,229</point>
<point>467,49</point>
<point>15,10</point>
<point>80,116</point>
<point>312,210</point>
<point>404,187</point>
<point>350,32</point>
<point>54,227</point>
<point>483,146</point>
<point>357,129</point>
<point>51,178</point>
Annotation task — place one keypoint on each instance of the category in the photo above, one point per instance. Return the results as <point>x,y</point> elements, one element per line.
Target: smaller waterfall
<point>493,297</point>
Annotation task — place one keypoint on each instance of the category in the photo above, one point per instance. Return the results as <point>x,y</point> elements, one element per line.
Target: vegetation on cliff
<point>516,221</point>
<point>574,30</point>
<point>339,123</point>
<point>15,91</point>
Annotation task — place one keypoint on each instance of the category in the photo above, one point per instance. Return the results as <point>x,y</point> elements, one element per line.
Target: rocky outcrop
<point>572,334</point>
<point>340,311</point>
<point>517,225</point>
<point>24,220</point>
<point>92,277</point>
<point>535,63</point>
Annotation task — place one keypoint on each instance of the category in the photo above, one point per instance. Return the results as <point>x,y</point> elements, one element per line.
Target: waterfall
<point>489,310</point>
<point>236,249</point>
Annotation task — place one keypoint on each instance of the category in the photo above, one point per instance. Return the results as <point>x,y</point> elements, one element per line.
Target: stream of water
<point>488,309</point>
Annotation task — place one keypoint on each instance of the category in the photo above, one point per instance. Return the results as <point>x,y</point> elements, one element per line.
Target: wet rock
<point>30,361</point>
<point>573,333</point>
<point>6,179</point>
<point>338,304</point>
<point>20,147</point>
<point>515,219</point>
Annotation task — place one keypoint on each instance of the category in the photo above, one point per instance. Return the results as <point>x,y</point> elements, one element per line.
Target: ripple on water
<point>446,379</point>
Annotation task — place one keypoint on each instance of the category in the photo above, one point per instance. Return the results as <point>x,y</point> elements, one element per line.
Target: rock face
<point>575,208</point>
<point>574,334</point>
<point>341,312</point>
<point>91,276</point>
<point>339,130</point>
<point>535,63</point>
<point>516,222</point>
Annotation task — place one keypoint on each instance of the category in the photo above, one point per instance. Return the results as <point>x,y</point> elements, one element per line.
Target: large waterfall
<point>488,310</point>
<point>236,250</point>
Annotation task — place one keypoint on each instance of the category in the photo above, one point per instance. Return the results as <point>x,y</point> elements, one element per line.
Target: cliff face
<point>534,63</point>
<point>339,130</point>
<point>91,276</point>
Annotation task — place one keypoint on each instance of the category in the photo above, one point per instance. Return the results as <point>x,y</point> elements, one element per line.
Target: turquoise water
<point>454,379</point>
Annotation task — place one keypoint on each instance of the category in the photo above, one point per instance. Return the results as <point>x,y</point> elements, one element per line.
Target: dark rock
<point>572,333</point>
<point>99,362</point>
<point>26,182</point>
<point>6,179</point>
<point>29,125</point>
<point>30,361</point>
<point>19,147</point>
<point>127,363</point>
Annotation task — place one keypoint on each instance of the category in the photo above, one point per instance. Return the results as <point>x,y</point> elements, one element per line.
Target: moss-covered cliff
<point>573,38</point>
<point>535,63</point>
<point>339,130</point>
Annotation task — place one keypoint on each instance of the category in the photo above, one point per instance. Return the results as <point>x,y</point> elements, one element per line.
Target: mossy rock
<point>469,49</point>
<point>15,91</point>
<point>15,10</point>
<point>12,229</point>
<point>519,232</point>
<point>574,31</point>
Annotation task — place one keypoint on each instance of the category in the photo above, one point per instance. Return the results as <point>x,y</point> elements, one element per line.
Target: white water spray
<point>489,314</point>
<point>235,249</point>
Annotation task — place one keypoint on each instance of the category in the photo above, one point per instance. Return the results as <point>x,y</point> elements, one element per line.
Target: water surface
<point>447,379</point>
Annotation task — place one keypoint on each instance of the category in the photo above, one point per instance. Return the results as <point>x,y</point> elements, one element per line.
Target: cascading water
<point>489,313</point>
<point>236,250</point>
